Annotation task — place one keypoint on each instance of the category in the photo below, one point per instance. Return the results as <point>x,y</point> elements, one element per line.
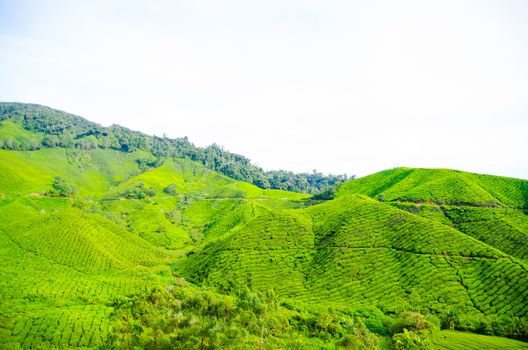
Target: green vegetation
<point>108,243</point>
<point>183,317</point>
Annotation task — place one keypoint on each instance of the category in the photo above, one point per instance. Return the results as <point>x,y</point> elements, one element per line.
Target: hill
<point>356,251</point>
<point>441,186</point>
<point>111,246</point>
<point>31,127</point>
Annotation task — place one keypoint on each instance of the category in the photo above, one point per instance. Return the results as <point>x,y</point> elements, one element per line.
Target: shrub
<point>360,339</point>
<point>451,319</point>
<point>412,321</point>
<point>411,340</point>
<point>138,191</point>
<point>170,190</point>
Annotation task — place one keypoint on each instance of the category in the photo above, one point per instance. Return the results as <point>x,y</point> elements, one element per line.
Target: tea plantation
<point>109,248</point>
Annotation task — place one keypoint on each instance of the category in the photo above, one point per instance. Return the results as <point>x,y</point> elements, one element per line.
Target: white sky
<point>340,86</point>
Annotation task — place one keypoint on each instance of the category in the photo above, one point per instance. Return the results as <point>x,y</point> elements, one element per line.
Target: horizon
<point>343,88</point>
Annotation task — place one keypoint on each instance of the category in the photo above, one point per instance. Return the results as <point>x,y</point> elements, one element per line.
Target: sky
<point>349,87</point>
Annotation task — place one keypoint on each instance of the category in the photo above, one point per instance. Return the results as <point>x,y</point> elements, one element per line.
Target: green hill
<point>441,186</point>
<point>413,249</point>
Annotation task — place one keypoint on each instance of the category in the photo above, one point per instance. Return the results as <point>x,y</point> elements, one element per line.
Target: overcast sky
<point>339,86</point>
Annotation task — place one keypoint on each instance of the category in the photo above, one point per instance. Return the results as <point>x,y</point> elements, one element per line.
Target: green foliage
<point>182,317</point>
<point>14,137</point>
<point>61,188</point>
<point>170,190</point>
<point>325,195</point>
<point>411,321</point>
<point>411,340</point>
<point>360,338</point>
<point>137,191</point>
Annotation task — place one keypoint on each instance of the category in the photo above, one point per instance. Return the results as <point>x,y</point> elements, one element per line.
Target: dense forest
<point>60,129</point>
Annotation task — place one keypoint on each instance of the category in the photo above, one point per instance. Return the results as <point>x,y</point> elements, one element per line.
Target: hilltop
<point>100,236</point>
<point>441,186</point>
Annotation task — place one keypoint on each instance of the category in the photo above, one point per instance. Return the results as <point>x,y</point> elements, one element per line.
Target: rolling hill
<point>449,245</point>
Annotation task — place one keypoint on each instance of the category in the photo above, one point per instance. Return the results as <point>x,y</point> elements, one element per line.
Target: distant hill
<point>31,127</point>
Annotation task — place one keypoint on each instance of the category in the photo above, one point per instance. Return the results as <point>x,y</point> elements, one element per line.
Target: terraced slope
<point>453,340</point>
<point>357,251</point>
<point>268,252</point>
<point>60,269</point>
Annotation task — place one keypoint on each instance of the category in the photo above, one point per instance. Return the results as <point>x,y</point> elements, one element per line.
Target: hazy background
<point>344,87</point>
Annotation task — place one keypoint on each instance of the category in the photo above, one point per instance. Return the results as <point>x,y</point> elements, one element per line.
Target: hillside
<point>97,242</point>
<point>356,251</point>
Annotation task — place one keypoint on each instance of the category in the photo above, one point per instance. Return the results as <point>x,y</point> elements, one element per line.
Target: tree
<point>411,331</point>
<point>268,319</point>
<point>145,321</point>
<point>410,320</point>
<point>327,194</point>
<point>61,188</point>
<point>50,141</point>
